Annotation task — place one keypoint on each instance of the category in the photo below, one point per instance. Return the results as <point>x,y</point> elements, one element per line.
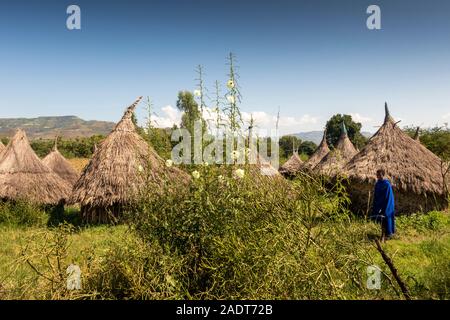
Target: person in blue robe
<point>384,205</point>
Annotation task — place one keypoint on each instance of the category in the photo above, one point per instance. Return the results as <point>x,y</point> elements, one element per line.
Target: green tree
<point>307,147</point>
<point>287,145</point>
<point>353,128</point>
<point>436,139</point>
<point>191,111</point>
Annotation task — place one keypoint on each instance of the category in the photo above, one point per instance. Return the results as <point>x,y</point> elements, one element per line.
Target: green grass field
<point>420,251</point>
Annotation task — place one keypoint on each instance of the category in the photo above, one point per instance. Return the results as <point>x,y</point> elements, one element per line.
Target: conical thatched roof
<point>265,167</point>
<point>115,174</point>
<point>336,159</point>
<point>292,166</point>
<point>414,171</point>
<point>24,176</point>
<point>321,151</point>
<point>55,161</point>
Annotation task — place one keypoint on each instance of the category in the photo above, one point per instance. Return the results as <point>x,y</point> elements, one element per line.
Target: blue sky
<point>310,58</point>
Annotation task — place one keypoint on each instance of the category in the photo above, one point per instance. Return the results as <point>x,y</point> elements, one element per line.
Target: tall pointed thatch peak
<point>336,159</point>
<point>343,129</point>
<point>321,151</point>
<point>416,134</point>
<point>126,123</point>
<point>24,176</point>
<point>387,114</point>
<point>55,145</point>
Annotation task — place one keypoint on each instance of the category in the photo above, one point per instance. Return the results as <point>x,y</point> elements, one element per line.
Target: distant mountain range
<point>49,127</point>
<point>72,126</point>
<point>316,136</point>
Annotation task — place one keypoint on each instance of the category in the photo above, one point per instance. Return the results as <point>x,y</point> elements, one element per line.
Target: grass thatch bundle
<point>336,159</point>
<point>122,166</point>
<point>23,176</point>
<point>292,166</point>
<point>55,161</point>
<point>2,147</point>
<point>414,171</point>
<point>321,151</point>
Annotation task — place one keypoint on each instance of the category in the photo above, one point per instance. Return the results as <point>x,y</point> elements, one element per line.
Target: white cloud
<point>263,121</point>
<point>171,116</point>
<point>446,116</point>
<point>360,118</point>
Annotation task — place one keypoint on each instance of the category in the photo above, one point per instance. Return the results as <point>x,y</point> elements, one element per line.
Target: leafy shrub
<point>22,213</point>
<point>257,238</point>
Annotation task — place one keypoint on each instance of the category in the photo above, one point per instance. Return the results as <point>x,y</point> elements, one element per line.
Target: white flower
<point>169,163</point>
<point>231,99</point>
<point>140,168</point>
<point>235,155</point>
<point>205,163</point>
<point>221,178</point>
<point>230,84</point>
<point>195,174</point>
<point>197,93</point>
<point>239,173</point>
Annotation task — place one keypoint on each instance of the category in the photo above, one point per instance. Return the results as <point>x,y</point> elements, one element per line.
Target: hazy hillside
<point>48,127</point>
<point>316,136</point>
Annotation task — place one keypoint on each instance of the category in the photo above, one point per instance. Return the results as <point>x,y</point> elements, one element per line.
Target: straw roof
<point>321,151</point>
<point>113,177</point>
<point>336,159</point>
<point>292,166</point>
<point>24,176</point>
<point>414,171</point>
<point>55,161</point>
<point>265,167</point>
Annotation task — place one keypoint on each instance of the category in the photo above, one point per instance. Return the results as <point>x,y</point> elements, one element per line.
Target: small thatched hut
<point>414,171</point>
<point>291,167</point>
<point>120,168</point>
<point>336,159</point>
<point>321,151</point>
<point>23,176</point>
<point>55,161</point>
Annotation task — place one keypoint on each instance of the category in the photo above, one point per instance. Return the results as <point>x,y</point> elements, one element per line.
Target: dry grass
<point>24,176</point>
<point>79,164</point>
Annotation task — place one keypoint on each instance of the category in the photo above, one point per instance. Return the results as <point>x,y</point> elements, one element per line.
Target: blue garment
<point>384,206</point>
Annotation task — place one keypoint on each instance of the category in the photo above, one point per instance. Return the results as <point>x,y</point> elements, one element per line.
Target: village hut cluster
<point>414,171</point>
<point>112,180</point>
<point>124,163</point>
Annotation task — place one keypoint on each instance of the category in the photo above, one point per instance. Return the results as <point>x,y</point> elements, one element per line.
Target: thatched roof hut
<point>24,176</point>
<point>336,159</point>
<point>414,171</point>
<point>292,166</point>
<point>118,171</point>
<point>321,151</point>
<point>55,161</point>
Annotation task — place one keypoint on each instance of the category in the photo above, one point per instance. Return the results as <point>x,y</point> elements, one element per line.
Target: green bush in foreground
<point>21,213</point>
